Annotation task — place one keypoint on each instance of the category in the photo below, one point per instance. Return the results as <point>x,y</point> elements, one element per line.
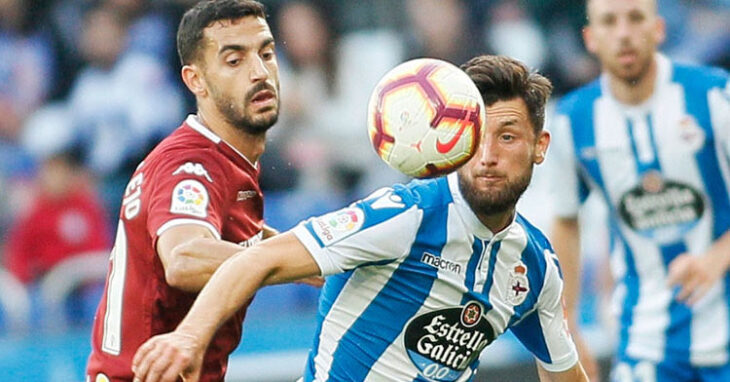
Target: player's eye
<point>608,20</point>
<point>233,61</point>
<point>267,54</point>
<point>636,17</point>
<point>507,137</point>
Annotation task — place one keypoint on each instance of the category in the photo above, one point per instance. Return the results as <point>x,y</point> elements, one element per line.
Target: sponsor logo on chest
<point>443,343</point>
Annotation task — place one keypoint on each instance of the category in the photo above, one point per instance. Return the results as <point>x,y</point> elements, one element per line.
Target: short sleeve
<point>719,102</point>
<point>186,189</point>
<point>376,230</point>
<point>544,332</point>
<point>566,189</point>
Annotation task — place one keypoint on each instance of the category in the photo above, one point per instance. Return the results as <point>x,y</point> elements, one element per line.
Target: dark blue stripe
<point>678,333</point>
<point>327,297</point>
<point>490,274</point>
<point>477,251</point>
<point>697,105</point>
<point>652,141</point>
<point>631,281</point>
<point>401,297</point>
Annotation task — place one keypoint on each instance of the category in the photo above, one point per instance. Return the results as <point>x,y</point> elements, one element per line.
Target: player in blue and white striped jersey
<point>423,276</point>
<point>652,137</point>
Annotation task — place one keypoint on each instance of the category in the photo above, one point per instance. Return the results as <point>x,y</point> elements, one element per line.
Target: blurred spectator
<point>26,70</point>
<point>512,32</point>
<point>65,217</point>
<point>122,103</point>
<point>446,36</point>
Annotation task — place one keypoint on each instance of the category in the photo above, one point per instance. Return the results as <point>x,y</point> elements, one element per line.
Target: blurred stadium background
<point>87,87</point>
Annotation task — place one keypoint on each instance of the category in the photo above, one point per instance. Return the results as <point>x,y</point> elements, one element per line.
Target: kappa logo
<point>193,169</point>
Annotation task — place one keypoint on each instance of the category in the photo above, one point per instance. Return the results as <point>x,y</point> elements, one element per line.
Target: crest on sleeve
<point>519,286</point>
<point>338,225</point>
<point>189,197</point>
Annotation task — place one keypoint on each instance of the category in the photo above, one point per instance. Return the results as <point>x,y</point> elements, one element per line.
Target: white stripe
<point>193,121</point>
<point>509,254</point>
<point>178,222</point>
<point>360,290</point>
<point>443,294</point>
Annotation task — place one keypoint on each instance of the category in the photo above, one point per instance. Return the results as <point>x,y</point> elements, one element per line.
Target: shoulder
<point>425,193</point>
<point>535,236</point>
<point>578,99</point>
<point>699,76</point>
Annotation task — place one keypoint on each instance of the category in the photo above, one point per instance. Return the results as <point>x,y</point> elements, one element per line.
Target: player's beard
<point>497,201</point>
<point>235,112</point>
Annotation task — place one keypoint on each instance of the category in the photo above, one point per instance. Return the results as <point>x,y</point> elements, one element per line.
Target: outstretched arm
<point>277,260</point>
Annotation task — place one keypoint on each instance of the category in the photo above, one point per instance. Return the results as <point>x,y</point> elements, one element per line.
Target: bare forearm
<point>720,251</point>
<point>566,243</point>
<point>278,260</point>
<point>228,288</point>
<point>194,262</point>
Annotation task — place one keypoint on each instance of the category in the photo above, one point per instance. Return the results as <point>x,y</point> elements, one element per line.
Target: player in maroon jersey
<point>195,198</point>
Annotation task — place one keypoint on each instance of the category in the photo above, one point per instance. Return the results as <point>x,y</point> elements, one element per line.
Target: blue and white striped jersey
<point>662,169</point>
<point>418,287</point>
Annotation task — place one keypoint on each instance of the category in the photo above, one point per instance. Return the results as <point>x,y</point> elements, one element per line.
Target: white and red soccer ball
<point>425,118</point>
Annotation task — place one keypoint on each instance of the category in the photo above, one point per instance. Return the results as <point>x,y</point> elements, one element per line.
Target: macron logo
<point>439,263</point>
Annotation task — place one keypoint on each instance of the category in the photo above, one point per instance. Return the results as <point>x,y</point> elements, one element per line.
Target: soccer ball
<point>425,118</point>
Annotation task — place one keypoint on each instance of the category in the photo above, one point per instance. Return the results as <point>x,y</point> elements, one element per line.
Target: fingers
<point>679,270</point>
<point>155,361</point>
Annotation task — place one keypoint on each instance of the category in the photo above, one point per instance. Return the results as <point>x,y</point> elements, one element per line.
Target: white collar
<point>196,124</point>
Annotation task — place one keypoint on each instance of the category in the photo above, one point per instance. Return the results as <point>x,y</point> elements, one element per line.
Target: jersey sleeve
<point>567,190</point>
<point>544,332</point>
<point>376,230</point>
<point>187,189</point>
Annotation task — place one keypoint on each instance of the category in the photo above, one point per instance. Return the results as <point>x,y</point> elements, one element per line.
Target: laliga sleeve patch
<point>338,225</point>
<point>189,197</point>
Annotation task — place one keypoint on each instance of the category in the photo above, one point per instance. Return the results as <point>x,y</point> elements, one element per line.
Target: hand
<point>315,281</point>
<point>590,366</point>
<point>166,357</point>
<point>695,275</point>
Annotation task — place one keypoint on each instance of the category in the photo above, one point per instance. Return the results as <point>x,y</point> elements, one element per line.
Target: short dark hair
<point>202,15</point>
<point>501,78</point>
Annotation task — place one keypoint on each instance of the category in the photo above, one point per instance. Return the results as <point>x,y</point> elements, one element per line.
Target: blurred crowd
<point>88,87</point>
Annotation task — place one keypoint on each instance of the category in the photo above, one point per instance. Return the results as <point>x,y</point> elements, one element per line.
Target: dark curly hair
<point>202,15</point>
<point>501,78</point>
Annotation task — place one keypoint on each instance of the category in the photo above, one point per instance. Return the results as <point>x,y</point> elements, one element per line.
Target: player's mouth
<point>627,56</point>
<point>263,98</point>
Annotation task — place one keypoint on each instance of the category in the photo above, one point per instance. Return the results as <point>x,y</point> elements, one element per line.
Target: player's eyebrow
<point>243,48</point>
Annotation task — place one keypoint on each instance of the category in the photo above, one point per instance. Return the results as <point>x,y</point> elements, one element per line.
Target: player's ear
<point>541,146</point>
<point>588,40</point>
<point>660,30</point>
<point>193,78</point>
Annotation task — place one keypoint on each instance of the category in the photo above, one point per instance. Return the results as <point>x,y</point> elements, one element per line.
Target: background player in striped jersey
<point>195,199</point>
<point>423,276</point>
<point>652,137</point>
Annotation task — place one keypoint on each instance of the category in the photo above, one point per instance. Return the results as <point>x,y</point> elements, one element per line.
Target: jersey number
<point>112,338</point>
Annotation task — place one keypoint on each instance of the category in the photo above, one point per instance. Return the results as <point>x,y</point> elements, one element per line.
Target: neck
<point>634,92</point>
<point>499,221</point>
<point>250,145</point>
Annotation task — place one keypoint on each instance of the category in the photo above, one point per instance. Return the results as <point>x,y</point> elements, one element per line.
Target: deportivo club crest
<point>519,285</point>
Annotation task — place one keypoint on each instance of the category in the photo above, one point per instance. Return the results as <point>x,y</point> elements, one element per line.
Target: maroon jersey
<point>192,177</point>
